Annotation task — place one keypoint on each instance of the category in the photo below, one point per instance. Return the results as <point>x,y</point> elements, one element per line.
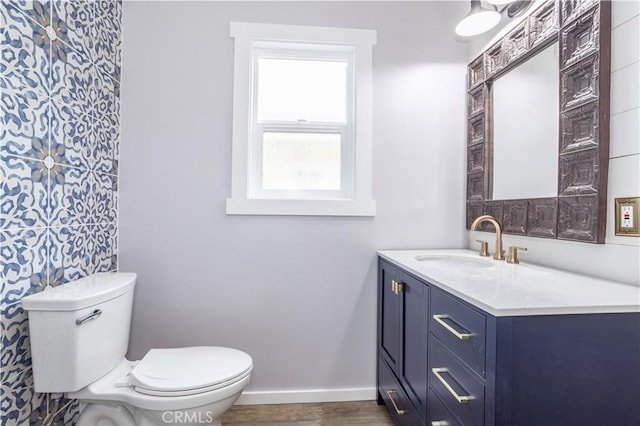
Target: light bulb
<point>477,22</point>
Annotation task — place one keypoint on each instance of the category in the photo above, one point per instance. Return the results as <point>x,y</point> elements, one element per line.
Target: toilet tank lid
<point>81,293</point>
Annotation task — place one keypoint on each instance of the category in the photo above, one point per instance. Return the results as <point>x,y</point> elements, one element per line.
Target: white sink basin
<point>448,260</point>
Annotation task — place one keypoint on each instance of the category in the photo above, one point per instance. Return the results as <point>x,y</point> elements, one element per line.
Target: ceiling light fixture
<point>478,20</point>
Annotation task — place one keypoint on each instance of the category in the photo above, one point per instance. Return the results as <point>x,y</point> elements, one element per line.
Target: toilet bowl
<point>115,400</point>
<point>79,334</point>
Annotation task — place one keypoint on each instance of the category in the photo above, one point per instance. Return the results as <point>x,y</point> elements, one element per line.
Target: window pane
<point>301,161</point>
<point>302,89</point>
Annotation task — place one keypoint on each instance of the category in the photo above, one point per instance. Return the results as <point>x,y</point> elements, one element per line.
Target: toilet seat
<point>189,371</point>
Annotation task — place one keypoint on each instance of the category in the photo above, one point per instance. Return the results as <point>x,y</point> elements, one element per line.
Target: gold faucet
<point>499,254</point>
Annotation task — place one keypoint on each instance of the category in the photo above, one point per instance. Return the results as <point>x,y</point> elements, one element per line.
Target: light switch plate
<point>627,217</point>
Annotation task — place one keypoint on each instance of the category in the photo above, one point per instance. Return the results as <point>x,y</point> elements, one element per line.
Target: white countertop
<point>504,289</point>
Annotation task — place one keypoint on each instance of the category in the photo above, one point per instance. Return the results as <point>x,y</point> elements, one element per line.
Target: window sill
<point>239,206</point>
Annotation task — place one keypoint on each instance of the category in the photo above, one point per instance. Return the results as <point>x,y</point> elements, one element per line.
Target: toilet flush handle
<point>93,315</point>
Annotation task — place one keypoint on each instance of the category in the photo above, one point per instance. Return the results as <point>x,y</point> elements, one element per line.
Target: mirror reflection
<point>525,132</point>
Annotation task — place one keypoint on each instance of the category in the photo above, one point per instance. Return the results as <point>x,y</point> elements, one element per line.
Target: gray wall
<point>297,293</point>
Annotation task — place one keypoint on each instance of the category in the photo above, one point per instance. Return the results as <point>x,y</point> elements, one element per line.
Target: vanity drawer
<point>439,415</point>
<point>397,402</point>
<point>461,328</point>
<point>458,389</point>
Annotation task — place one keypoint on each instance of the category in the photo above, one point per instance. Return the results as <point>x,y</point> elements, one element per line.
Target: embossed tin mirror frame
<point>578,212</point>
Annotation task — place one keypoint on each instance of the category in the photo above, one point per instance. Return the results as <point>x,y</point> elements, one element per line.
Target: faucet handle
<point>513,254</point>
<point>484,248</point>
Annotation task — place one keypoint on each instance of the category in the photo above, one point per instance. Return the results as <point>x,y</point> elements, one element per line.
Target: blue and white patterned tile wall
<point>60,110</point>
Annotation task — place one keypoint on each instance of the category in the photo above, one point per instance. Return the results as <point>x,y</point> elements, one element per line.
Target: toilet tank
<point>79,331</point>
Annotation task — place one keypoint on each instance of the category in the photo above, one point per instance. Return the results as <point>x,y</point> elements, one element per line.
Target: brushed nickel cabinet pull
<point>460,398</point>
<point>398,411</point>
<point>439,319</point>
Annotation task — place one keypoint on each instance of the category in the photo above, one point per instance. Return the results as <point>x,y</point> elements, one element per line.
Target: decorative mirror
<point>538,124</point>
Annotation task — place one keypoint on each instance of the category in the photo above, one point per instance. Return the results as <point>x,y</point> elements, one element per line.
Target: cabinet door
<point>414,343</point>
<point>389,315</point>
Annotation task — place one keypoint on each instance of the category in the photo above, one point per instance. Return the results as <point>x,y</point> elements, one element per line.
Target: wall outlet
<point>627,217</point>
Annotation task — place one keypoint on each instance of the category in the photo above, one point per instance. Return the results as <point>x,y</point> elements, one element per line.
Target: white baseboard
<point>311,395</point>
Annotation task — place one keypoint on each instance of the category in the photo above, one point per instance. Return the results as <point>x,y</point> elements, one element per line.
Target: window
<point>301,121</point>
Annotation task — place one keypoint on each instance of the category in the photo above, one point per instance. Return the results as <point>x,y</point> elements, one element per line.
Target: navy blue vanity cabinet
<point>443,361</point>
<point>402,344</point>
<point>580,369</point>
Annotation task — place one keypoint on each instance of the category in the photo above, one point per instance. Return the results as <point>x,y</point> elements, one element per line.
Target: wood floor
<point>325,414</point>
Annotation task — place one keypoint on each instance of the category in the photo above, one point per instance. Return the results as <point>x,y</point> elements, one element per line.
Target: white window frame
<point>355,196</point>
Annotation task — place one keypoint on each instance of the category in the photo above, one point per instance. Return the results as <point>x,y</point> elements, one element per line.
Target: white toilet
<point>79,336</point>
